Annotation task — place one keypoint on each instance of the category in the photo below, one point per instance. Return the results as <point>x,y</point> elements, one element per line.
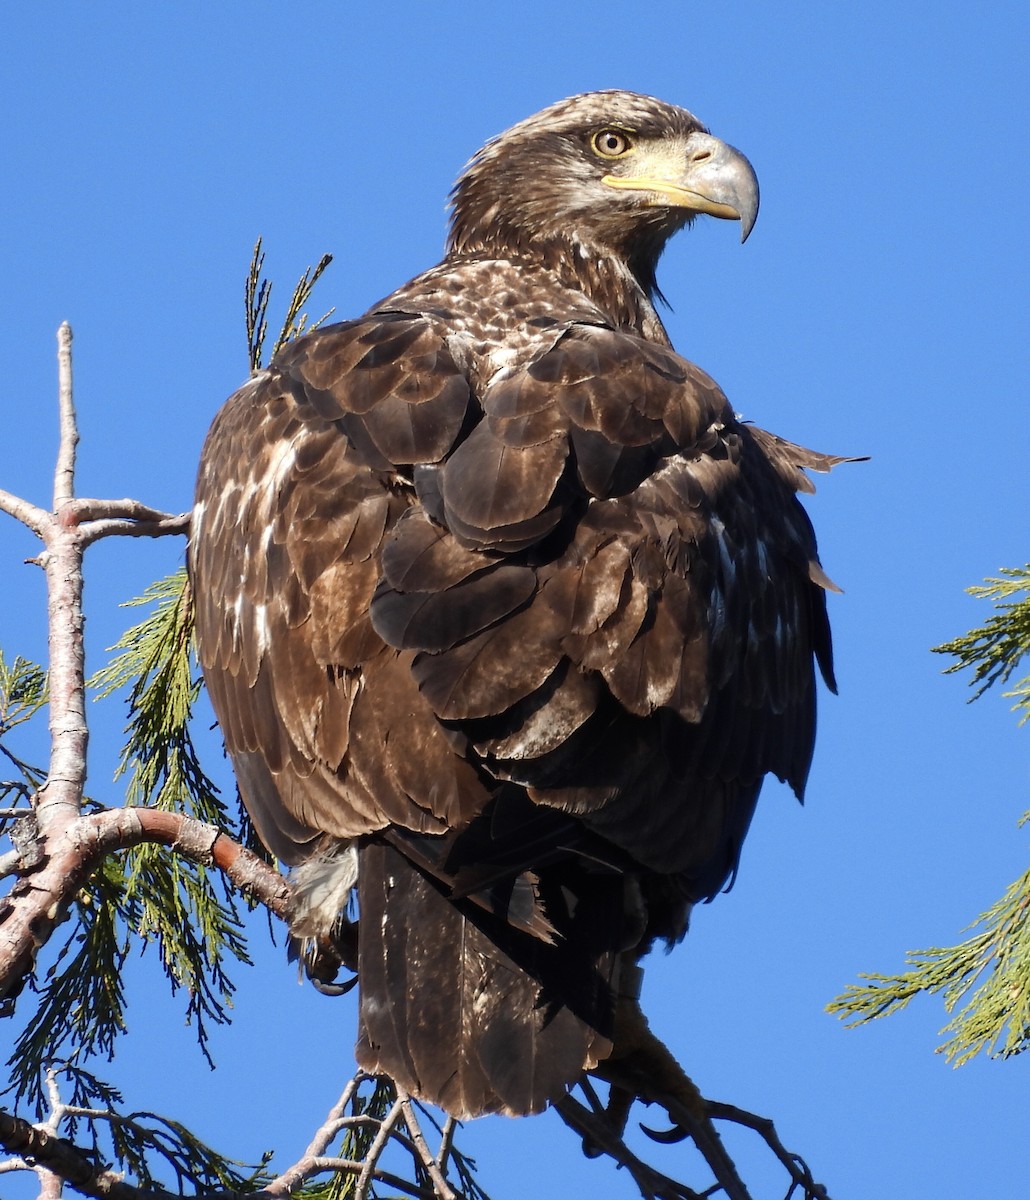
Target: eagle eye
<point>611,143</point>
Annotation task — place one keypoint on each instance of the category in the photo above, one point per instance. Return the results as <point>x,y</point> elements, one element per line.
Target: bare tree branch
<point>642,1069</point>
<point>642,1065</point>
<point>39,1147</point>
<point>10,862</point>
<point>432,1167</point>
<point>446,1141</point>
<point>29,514</point>
<point>65,533</point>
<point>293,1177</point>
<point>163,525</point>
<point>793,1164</point>
<point>40,900</point>
<point>70,850</point>
<point>348,1166</point>
<point>64,474</point>
<point>121,828</point>
<point>126,518</point>
<point>61,795</point>
<point>87,509</point>
<point>375,1151</point>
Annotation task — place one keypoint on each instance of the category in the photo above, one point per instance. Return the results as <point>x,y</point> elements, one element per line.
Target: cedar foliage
<point>984,980</point>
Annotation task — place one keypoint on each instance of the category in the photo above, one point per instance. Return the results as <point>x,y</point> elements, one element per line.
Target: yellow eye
<point>612,143</point>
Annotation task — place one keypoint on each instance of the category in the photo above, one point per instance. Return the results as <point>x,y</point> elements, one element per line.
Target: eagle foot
<point>615,1115</point>
<point>322,957</point>
<point>641,1065</point>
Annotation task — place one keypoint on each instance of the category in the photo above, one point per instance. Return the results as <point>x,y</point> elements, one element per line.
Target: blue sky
<point>880,308</point>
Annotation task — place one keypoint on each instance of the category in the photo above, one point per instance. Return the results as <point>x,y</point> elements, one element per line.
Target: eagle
<point>505,614</point>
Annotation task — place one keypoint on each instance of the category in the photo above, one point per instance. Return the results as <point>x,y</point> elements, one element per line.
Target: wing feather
<point>597,562</point>
<point>286,559</point>
<point>676,596</point>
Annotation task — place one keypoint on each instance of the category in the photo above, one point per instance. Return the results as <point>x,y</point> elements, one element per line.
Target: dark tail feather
<point>468,1013</point>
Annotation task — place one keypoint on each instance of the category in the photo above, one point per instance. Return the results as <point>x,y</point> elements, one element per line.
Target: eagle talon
<point>666,1137</point>
<point>333,989</point>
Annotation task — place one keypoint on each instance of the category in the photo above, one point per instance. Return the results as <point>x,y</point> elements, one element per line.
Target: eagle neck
<point>604,278</point>
<point>612,284</point>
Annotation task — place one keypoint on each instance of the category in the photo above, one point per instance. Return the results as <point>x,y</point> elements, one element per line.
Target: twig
<point>26,769</point>
<point>446,1142</point>
<point>29,514</point>
<point>38,1148</point>
<point>705,1136</point>
<point>310,1161</point>
<point>375,1151</point>
<point>91,509</point>
<point>352,1167</point>
<point>10,861</point>
<point>98,519</point>
<point>594,1125</point>
<point>58,1109</point>
<point>440,1185</point>
<point>168,524</point>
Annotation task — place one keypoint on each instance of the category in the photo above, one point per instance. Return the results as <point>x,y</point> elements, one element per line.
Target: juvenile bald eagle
<point>505,615</point>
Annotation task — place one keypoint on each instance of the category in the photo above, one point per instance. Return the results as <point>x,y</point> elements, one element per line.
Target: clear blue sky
<point>880,307</point>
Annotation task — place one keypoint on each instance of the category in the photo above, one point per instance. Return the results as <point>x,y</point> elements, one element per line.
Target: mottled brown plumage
<point>505,615</point>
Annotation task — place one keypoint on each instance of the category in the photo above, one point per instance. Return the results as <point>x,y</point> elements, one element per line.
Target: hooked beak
<point>716,179</point>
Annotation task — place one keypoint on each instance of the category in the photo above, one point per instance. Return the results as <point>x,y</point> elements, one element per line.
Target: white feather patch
<point>321,891</point>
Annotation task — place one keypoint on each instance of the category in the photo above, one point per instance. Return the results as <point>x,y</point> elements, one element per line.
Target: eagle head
<point>615,172</point>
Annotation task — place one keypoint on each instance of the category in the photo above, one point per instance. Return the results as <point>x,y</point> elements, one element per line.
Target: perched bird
<point>505,615</point>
